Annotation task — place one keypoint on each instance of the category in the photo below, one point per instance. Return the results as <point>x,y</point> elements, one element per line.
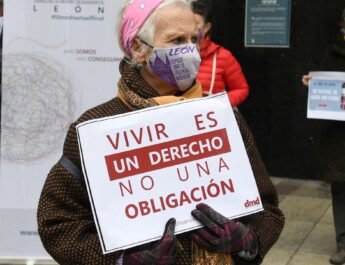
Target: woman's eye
<point>178,40</point>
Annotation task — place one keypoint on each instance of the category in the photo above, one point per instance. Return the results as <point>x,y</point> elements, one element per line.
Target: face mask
<point>177,65</point>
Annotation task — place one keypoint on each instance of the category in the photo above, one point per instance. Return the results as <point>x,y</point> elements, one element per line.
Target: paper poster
<point>59,59</point>
<point>267,23</point>
<point>326,96</point>
<point>144,167</point>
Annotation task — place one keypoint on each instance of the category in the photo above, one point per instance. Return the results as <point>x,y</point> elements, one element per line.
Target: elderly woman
<point>148,30</point>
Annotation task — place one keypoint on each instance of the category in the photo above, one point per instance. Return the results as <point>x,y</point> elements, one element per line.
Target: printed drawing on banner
<point>39,103</point>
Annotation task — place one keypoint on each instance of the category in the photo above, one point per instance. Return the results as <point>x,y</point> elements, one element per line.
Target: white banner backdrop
<point>59,59</point>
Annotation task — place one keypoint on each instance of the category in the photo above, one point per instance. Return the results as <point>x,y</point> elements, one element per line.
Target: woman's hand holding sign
<point>223,235</point>
<point>161,253</point>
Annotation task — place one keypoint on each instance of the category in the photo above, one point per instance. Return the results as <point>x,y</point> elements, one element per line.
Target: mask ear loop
<point>140,66</point>
<point>146,43</point>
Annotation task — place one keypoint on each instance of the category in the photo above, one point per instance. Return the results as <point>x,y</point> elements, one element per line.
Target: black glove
<point>223,235</point>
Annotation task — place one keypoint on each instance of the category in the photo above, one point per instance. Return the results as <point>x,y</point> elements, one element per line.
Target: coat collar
<point>208,47</point>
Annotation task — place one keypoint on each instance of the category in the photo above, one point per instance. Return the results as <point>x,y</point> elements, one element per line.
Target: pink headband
<point>134,17</point>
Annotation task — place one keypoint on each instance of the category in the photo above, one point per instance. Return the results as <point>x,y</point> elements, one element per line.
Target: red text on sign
<point>137,136</point>
<point>210,121</point>
<point>167,154</point>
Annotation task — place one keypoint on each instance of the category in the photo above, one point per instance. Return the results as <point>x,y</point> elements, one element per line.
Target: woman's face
<point>175,26</point>
<point>199,21</point>
<point>204,28</point>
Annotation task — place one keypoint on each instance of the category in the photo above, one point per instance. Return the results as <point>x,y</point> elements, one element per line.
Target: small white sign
<point>145,167</point>
<point>326,96</point>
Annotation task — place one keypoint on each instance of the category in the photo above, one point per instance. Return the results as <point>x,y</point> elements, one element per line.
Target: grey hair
<point>147,31</point>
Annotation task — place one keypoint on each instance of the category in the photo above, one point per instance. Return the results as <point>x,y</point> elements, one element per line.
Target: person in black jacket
<point>332,147</point>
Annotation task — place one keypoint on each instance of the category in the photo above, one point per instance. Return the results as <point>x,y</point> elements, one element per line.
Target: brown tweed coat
<point>65,220</point>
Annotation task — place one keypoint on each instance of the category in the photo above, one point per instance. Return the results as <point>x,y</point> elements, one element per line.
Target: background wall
<point>276,107</point>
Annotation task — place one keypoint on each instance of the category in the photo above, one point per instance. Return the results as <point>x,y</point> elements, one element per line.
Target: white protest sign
<point>326,96</point>
<point>145,167</point>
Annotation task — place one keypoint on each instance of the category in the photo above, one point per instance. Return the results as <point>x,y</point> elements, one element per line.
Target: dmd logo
<point>249,203</point>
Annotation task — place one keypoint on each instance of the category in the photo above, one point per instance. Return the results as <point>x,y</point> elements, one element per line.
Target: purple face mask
<point>177,65</point>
